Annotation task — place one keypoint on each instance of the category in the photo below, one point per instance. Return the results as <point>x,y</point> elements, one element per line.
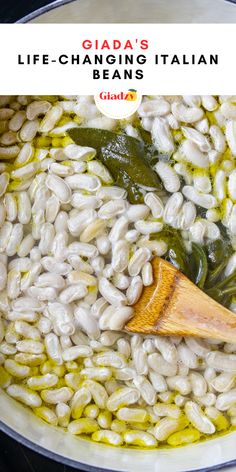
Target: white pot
<point>22,425</point>
<point>19,422</point>
<point>135,11</point>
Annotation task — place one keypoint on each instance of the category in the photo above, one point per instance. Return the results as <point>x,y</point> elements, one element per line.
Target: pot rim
<point>57,3</point>
<point>51,6</point>
<point>75,464</point>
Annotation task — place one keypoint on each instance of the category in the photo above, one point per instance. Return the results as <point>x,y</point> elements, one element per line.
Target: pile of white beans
<point>75,256</point>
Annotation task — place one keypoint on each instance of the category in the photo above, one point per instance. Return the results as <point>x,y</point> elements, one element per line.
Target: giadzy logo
<point>119,104</point>
<point>131,95</point>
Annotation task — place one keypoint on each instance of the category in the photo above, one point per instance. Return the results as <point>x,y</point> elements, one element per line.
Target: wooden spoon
<point>173,305</point>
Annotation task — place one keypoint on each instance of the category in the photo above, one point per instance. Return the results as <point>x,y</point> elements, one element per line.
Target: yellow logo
<point>131,95</point>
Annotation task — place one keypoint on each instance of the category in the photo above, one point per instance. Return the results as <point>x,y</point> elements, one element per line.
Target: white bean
<point>59,187</point>
<point>232,185</point>
<point>53,348</point>
<point>209,102</point>
<point>198,383</point>
<point>73,151</point>
<point>17,120</point>
<point>179,383</point>
<point>84,202</point>
<point>52,265</point>
<point>187,356</point>
<point>137,261</point>
<point>24,395</point>
<point>98,393</point>
<point>223,382</point>
<point>79,222</point>
<point>161,135</point>
<point>75,292</point>
<point>57,395</point>
<point>87,182</point>
<point>221,361</point>
<point>169,176</point>
<point>158,381</point>
<point>226,400</point>
<point>111,293</point>
<point>166,348</point>
<point>146,389</point>
<point>228,110</point>
<point>52,116</point>
<point>148,227</point>
<point>218,138</point>
<point>193,154</point>
<point>14,239</point>
<point>137,212</point>
<point>197,137</point>
<point>152,108</point>
<point>87,322</point>
<point>161,366</point>
<point>61,222</point>
<point>155,204</point>
<point>204,200</point>
<point>52,208</point>
<point>110,193</point>
<point>11,207</point>
<point>112,209</point>
<point>5,233</point>
<point>3,276</point>
<point>13,283</point>
<point>198,419</point>
<point>147,274</point>
<point>220,185</point>
<point>122,397</point>
<point>186,114</point>
<point>230,133</point>
<point>172,208</point>
<point>28,130</point>
<point>46,239</point>
<point>74,352</point>
<point>134,291</point>
<point>202,183</point>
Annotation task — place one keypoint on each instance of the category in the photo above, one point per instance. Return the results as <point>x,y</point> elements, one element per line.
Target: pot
<point>17,421</point>
<point>133,11</point>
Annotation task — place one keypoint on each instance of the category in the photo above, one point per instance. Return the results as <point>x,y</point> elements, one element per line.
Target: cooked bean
<point>198,419</point>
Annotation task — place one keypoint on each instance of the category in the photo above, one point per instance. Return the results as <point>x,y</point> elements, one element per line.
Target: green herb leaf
<point>217,251</point>
<point>201,265</point>
<point>177,253</point>
<point>133,191</point>
<point>124,156</point>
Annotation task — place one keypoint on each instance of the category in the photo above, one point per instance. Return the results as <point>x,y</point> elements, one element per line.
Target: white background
<point>163,39</point>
